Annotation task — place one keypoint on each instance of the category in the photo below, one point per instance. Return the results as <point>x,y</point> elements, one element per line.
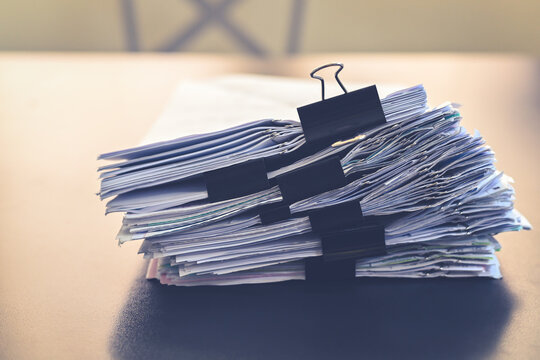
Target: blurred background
<point>79,78</point>
<point>271,28</point>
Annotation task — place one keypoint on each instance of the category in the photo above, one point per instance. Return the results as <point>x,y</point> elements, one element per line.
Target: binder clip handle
<point>336,75</point>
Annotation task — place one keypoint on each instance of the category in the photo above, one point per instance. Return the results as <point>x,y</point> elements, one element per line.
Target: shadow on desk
<point>364,318</point>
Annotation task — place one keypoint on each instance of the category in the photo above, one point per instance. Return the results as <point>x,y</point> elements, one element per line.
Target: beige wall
<point>377,25</point>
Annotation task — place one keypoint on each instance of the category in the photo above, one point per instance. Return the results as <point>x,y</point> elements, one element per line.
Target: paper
<point>433,187</point>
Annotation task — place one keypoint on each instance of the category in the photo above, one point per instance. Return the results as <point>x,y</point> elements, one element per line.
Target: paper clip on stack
<point>362,186</point>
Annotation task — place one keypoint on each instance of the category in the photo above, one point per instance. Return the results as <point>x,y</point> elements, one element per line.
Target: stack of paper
<point>432,187</point>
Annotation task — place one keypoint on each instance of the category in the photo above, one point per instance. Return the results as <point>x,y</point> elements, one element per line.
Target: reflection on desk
<point>362,318</point>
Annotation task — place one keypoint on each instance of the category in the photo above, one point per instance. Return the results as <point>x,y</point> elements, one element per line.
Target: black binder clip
<point>345,236</point>
<point>341,117</point>
<point>353,243</point>
<point>302,183</point>
<point>317,269</point>
<point>340,251</point>
<point>324,122</point>
<point>236,180</point>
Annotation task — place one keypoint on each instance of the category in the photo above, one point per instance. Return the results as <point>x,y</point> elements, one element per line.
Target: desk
<point>68,291</point>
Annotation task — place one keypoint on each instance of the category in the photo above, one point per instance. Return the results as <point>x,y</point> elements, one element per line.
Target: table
<point>68,291</point>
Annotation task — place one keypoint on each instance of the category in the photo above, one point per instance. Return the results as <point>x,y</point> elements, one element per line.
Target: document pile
<point>362,186</point>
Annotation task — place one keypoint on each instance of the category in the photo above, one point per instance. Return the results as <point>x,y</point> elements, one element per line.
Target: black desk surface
<point>67,291</point>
